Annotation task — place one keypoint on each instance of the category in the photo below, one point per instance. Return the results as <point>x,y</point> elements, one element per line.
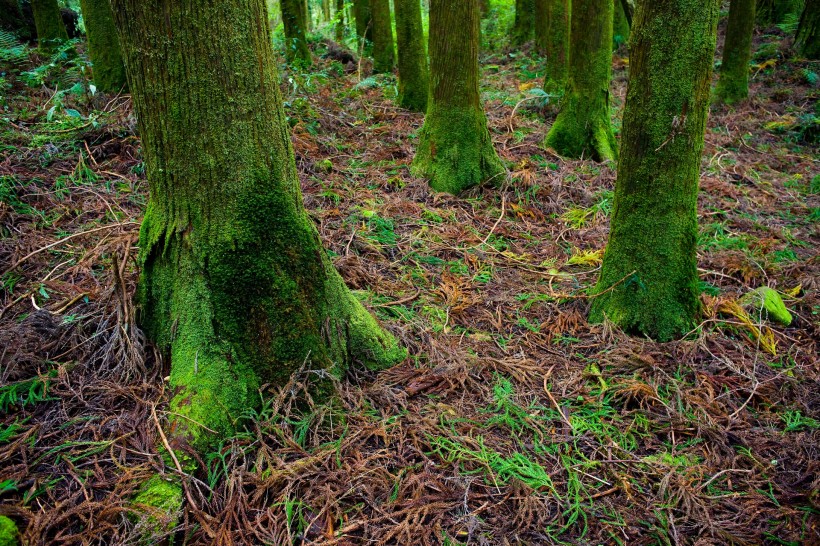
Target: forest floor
<point>513,421</point>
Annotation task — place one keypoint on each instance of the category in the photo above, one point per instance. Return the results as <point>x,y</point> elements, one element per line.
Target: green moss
<point>807,38</point>
<point>733,84</point>
<point>768,302</point>
<point>236,289</point>
<point>455,150</point>
<point>555,43</point>
<point>583,128</point>
<point>620,25</point>
<point>9,535</point>
<point>524,24</point>
<point>103,45</point>
<point>414,81</point>
<point>161,498</point>
<point>383,49</point>
<point>293,21</point>
<point>649,283</point>
<point>49,23</point>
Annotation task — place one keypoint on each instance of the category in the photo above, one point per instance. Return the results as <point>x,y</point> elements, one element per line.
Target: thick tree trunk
<point>103,45</point>
<point>296,48</point>
<point>236,288</point>
<point>649,280</point>
<point>414,81</point>
<point>49,23</point>
<point>364,23</point>
<point>807,38</point>
<point>455,150</point>
<point>620,24</point>
<point>524,25</point>
<point>340,20</point>
<point>384,58</point>
<point>583,128</point>
<point>555,16</point>
<point>733,83</point>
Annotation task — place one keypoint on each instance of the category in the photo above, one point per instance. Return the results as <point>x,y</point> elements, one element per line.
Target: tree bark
<point>384,58</point>
<point>11,18</point>
<point>583,128</point>
<point>554,16</point>
<point>733,83</point>
<point>340,20</point>
<point>774,12</point>
<point>807,38</point>
<point>103,45</point>
<point>51,31</point>
<point>236,289</point>
<point>364,24</point>
<point>649,280</point>
<point>296,48</point>
<point>524,25</point>
<point>455,150</point>
<point>620,24</point>
<point>414,80</point>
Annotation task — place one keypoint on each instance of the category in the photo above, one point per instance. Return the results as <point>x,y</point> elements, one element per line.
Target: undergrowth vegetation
<point>513,420</point>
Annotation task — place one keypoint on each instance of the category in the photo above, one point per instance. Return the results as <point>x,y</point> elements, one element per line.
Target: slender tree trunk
<point>304,8</point>
<point>326,10</point>
<point>296,48</point>
<point>384,58</point>
<point>49,23</point>
<point>774,12</point>
<point>340,20</point>
<point>524,25</point>
<point>556,15</point>
<point>733,84</point>
<point>364,24</point>
<point>620,24</point>
<point>414,81</point>
<point>542,26</point>
<point>583,128</point>
<point>649,279</point>
<point>455,150</point>
<point>103,45</point>
<point>807,38</point>
<point>236,289</point>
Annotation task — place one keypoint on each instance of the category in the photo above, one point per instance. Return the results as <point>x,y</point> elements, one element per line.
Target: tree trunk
<point>555,17</point>
<point>364,24</point>
<point>49,23</point>
<point>414,82</point>
<point>774,12</point>
<point>807,38</point>
<point>649,279</point>
<point>620,24</point>
<point>733,83</point>
<point>384,58</point>
<point>326,10</point>
<point>236,289</point>
<point>583,128</point>
<point>484,7</point>
<point>304,8</point>
<point>11,18</point>
<point>455,150</point>
<point>296,48</point>
<point>340,20</point>
<point>103,45</point>
<point>524,25</point>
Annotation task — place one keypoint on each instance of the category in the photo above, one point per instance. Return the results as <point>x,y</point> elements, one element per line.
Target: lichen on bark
<point>649,282</point>
<point>455,150</point>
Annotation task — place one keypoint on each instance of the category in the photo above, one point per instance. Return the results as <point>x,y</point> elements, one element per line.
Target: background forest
<point>519,385</point>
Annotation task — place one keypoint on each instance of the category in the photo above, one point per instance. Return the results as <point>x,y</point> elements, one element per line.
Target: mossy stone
<point>768,300</point>
<point>164,498</point>
<point>8,532</point>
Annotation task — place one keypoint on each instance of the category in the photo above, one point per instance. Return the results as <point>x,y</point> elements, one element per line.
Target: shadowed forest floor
<point>513,421</point>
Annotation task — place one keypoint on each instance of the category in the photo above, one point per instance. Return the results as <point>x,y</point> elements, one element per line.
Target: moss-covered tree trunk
<point>236,289</point>
<point>364,23</point>
<point>340,20</point>
<point>304,10</point>
<point>733,83</point>
<point>414,81</point>
<point>455,150</point>
<point>103,45</point>
<point>384,58</point>
<point>524,24</point>
<point>583,128</point>
<point>620,24</point>
<point>807,38</point>
<point>296,48</point>
<point>649,280</point>
<point>49,23</point>
<point>556,43</point>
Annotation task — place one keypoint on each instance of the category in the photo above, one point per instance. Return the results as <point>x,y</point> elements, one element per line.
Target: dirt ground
<point>513,421</point>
